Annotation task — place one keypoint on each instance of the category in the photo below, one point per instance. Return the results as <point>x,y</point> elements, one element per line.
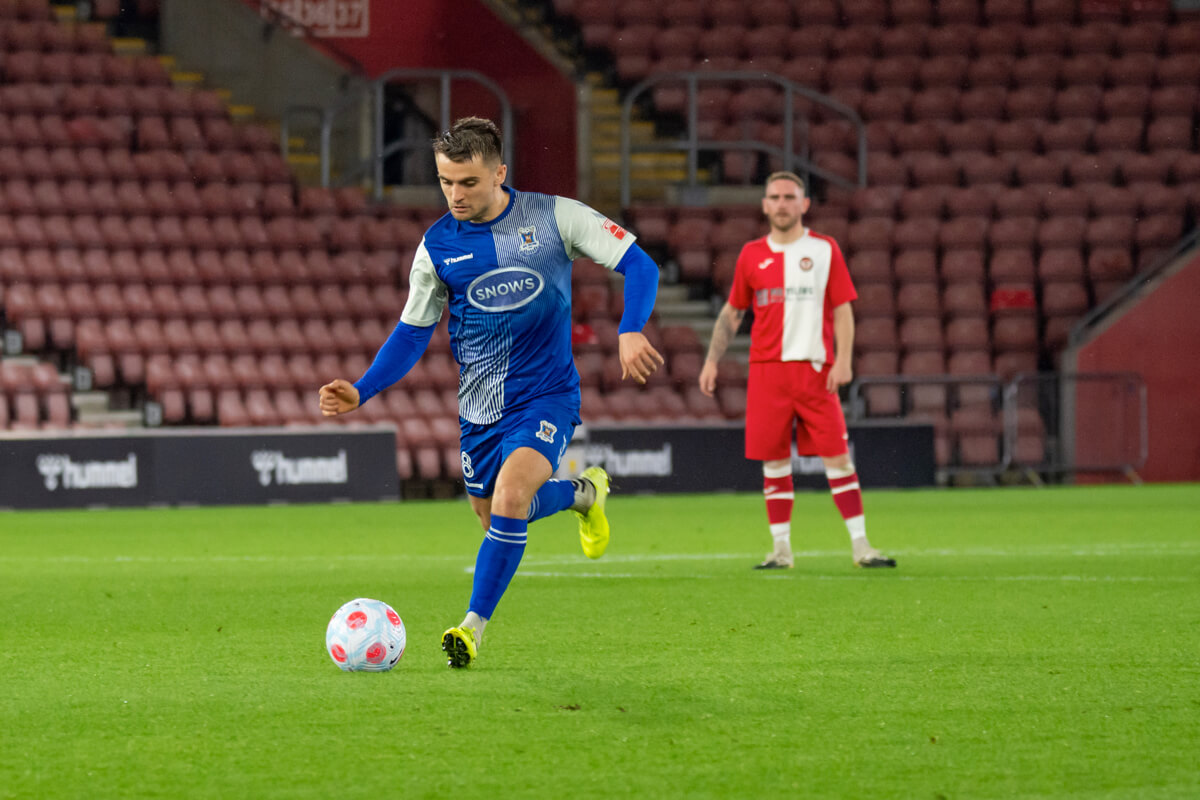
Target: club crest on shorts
<point>467,470</point>
<point>528,241</point>
<point>806,263</point>
<point>546,434</point>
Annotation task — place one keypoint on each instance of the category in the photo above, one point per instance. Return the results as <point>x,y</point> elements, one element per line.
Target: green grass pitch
<point>1032,644</point>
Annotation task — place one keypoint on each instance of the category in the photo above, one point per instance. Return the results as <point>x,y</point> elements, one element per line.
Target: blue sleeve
<point>641,288</point>
<point>394,359</point>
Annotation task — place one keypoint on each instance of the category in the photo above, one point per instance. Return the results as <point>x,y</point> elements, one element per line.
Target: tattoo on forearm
<point>728,322</point>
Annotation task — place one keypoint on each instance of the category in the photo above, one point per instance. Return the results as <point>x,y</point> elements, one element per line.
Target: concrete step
<point>603,96</point>
<point>242,112</point>
<point>187,79</point>
<point>605,114</point>
<point>93,402</point>
<point>658,179</point>
<point>108,419</point>
<point>671,293</point>
<point>637,161</point>
<point>639,130</point>
<point>129,46</point>
<point>682,311</point>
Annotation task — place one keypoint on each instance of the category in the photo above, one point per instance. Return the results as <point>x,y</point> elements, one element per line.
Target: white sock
<point>857,527</point>
<point>473,620</point>
<point>781,532</point>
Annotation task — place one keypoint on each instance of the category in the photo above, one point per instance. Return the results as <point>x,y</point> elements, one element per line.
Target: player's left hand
<point>839,375</point>
<point>639,359</point>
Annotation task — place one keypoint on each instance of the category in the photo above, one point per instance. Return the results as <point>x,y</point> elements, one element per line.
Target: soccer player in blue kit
<point>501,260</point>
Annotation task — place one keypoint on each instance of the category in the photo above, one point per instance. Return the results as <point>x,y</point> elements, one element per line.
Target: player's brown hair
<point>786,176</point>
<point>469,137</point>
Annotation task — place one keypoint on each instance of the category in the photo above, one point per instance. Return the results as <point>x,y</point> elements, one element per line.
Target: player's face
<point>784,204</point>
<point>472,188</point>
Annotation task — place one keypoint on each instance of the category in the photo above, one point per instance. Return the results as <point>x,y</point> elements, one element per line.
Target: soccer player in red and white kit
<point>800,347</point>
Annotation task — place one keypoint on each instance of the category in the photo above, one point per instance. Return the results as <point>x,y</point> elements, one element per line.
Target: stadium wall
<point>1159,338</point>
<point>466,35</point>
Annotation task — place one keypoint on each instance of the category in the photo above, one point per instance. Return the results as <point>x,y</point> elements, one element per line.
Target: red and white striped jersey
<point>792,290</point>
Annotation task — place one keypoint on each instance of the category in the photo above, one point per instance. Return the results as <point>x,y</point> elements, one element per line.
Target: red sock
<point>847,496</point>
<point>778,493</point>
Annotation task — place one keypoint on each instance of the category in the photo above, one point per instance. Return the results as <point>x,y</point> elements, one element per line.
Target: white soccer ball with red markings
<point>365,636</point>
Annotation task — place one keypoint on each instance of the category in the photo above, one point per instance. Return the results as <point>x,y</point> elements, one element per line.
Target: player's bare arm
<point>338,397</point>
<point>639,359</point>
<point>843,345</point>
<point>724,329</point>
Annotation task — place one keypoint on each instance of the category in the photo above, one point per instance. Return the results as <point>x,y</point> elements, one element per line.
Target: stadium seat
<point>965,266</point>
<point>918,299</point>
<point>870,266</point>
<point>921,333</point>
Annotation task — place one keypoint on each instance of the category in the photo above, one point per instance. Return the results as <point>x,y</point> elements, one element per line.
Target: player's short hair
<point>469,137</point>
<point>786,176</point>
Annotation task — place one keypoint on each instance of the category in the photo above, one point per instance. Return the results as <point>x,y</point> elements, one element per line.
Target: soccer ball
<point>365,635</point>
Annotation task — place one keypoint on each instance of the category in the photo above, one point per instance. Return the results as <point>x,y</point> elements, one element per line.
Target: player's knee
<point>839,467</point>
<point>780,468</point>
<point>509,501</point>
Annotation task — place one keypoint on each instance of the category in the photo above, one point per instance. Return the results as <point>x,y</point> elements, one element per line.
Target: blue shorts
<point>546,424</point>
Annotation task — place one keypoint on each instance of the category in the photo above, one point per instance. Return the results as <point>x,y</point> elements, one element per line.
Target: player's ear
<point>501,173</point>
<point>805,202</point>
<point>764,207</point>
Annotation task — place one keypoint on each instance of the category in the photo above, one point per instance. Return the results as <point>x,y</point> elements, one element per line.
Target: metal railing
<point>691,144</point>
<point>370,100</point>
<point>1037,419</point>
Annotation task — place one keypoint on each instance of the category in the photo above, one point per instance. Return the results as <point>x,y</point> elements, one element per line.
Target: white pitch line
<point>1118,549</point>
<point>891,577</point>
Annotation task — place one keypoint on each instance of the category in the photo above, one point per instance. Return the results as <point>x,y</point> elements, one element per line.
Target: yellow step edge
<point>187,78</point>
<point>124,45</point>
<point>303,159</point>
<point>241,111</point>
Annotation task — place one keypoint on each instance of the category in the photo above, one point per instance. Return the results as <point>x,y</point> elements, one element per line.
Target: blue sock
<point>501,551</point>
<point>554,496</point>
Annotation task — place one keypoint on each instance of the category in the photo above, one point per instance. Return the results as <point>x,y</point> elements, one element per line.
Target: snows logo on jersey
<point>528,242</point>
<point>613,228</point>
<point>505,289</point>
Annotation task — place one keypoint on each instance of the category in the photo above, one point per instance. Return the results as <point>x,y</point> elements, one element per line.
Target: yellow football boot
<point>593,524</point>
<point>460,646</point>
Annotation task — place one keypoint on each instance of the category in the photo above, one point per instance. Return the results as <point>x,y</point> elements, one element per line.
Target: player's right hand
<point>708,378</point>
<point>338,397</point>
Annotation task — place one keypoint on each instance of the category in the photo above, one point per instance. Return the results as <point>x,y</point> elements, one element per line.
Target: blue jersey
<point>507,283</point>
